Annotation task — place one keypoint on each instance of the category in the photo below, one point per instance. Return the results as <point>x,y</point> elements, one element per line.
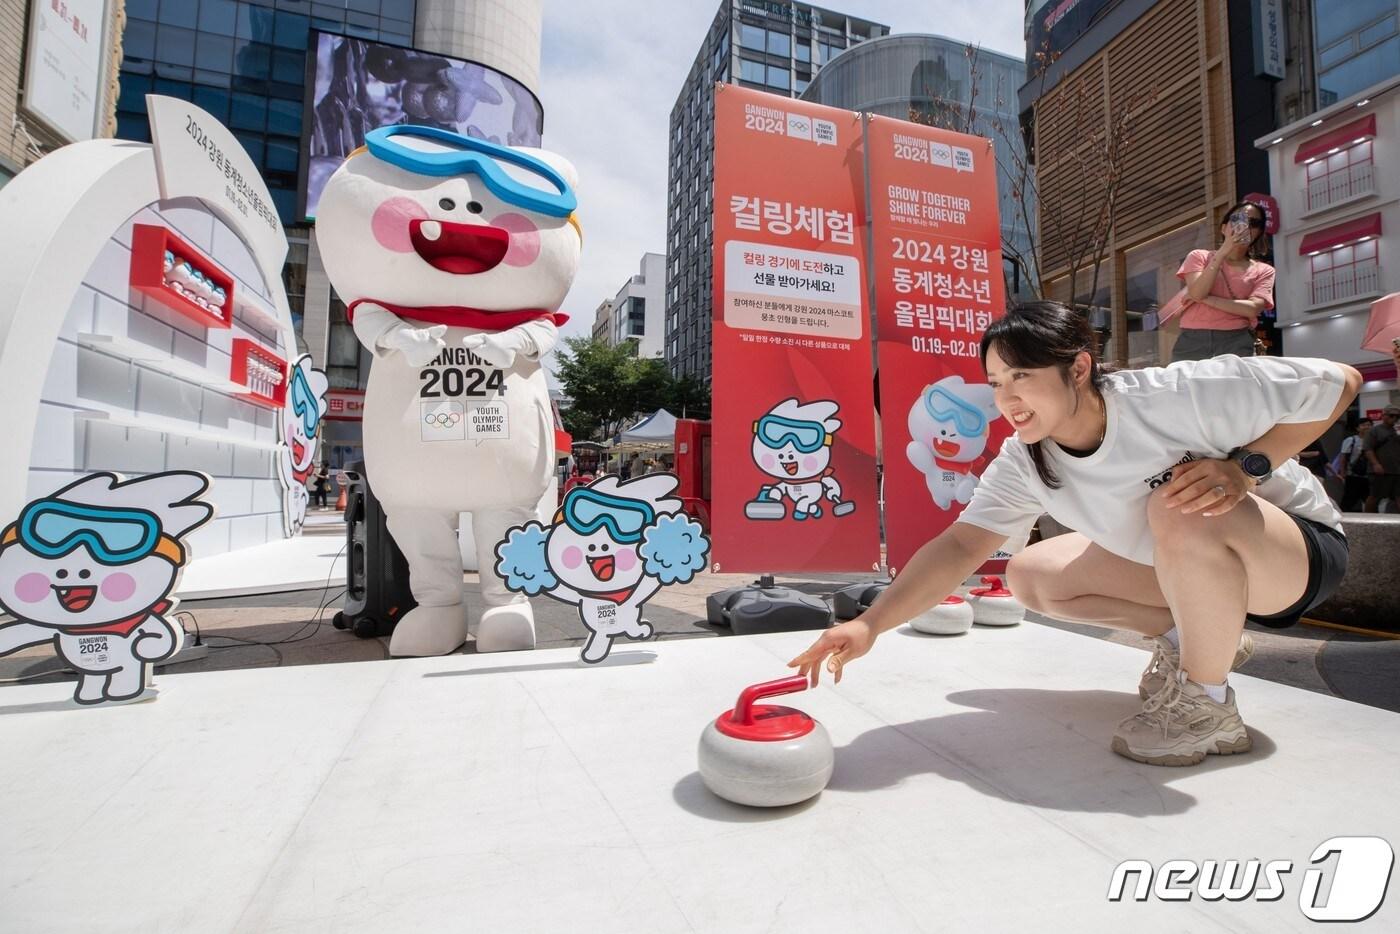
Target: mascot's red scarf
<point>460,316</point>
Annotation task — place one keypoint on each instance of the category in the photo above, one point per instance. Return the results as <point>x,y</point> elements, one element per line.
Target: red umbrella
<point>1383,330</point>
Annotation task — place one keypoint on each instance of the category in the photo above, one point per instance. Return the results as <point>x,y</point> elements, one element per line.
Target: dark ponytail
<point>1034,335</point>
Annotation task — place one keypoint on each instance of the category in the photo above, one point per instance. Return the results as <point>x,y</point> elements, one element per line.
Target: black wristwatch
<point>1256,466</point>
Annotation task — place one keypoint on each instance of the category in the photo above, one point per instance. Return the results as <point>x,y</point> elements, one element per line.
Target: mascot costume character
<point>452,254</point>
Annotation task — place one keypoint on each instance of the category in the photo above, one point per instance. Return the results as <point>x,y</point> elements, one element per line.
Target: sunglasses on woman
<point>1256,222</point>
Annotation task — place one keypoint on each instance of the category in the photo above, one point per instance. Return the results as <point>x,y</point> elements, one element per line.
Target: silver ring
<point>1219,490</point>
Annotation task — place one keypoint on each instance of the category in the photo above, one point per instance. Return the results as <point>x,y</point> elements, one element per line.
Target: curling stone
<point>952,617</point>
<point>764,755</point>
<point>994,605</point>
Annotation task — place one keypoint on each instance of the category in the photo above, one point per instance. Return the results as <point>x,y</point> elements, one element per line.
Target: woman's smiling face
<point>1037,401</point>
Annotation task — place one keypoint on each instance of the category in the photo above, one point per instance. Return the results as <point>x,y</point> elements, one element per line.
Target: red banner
<point>794,481</point>
<point>938,284</point>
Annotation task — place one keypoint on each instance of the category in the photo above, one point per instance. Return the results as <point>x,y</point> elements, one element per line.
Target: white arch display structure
<point>55,218</point>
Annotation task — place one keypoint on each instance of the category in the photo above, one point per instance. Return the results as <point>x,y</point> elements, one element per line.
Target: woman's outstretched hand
<point>843,643</point>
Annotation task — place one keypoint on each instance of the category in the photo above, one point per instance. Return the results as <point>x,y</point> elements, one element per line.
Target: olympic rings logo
<point>442,419</point>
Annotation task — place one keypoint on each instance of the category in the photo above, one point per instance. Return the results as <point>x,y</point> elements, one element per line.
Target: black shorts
<point>1327,565</point>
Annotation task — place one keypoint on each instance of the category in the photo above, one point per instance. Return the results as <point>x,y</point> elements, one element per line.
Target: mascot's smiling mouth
<point>790,467</point>
<point>461,249</point>
<point>945,448</point>
<point>603,567</point>
<point>76,599</point>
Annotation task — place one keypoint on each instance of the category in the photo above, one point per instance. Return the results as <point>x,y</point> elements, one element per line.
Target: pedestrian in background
<point>1383,456</point>
<point>1353,468</point>
<point>1225,290</point>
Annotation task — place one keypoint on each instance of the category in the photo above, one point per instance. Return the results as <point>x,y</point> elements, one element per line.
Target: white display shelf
<point>157,359</point>
<point>250,307</point>
<point>170,426</point>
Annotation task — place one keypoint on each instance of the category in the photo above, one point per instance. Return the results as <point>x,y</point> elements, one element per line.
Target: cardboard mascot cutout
<point>452,253</point>
<point>296,454</point>
<point>611,546</point>
<point>91,567</point>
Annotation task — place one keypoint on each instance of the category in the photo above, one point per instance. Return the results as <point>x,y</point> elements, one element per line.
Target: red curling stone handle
<point>743,707</point>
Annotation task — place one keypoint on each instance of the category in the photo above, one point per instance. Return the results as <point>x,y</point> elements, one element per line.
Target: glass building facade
<point>933,79</point>
<point>244,61</point>
<point>772,45</point>
<point>1357,45</point>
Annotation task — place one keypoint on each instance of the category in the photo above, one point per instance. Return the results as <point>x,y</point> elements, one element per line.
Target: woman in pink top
<point>1227,289</point>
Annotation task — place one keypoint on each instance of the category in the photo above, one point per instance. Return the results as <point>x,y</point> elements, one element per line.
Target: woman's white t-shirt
<point>1157,419</point>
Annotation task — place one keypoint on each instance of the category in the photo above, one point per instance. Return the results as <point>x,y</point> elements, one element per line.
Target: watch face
<point>1256,465</point>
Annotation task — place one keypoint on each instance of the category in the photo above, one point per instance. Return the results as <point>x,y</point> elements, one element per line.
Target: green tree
<point>609,386</point>
<point>689,398</point>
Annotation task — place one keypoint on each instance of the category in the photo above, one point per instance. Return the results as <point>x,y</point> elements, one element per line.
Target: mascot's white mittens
<point>419,346</point>
<point>497,349</point>
<point>533,339</point>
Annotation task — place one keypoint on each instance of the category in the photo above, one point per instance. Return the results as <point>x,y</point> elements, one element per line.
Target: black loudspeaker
<point>376,572</point>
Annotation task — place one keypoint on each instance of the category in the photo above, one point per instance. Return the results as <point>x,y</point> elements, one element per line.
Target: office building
<point>638,310</point>
<point>773,45</point>
<point>934,79</point>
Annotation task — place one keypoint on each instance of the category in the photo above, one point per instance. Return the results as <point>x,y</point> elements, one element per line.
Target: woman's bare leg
<point>1214,569</point>
<point>1070,578</point>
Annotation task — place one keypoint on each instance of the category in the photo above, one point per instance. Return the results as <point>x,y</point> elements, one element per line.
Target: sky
<point>610,73</point>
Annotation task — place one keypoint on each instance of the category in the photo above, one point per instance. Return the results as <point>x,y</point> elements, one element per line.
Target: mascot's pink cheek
<point>31,588</point>
<point>809,464</point>
<point>524,239</point>
<point>767,462</point>
<point>626,559</point>
<point>390,223</point>
<point>572,557</point>
<point>118,587</point>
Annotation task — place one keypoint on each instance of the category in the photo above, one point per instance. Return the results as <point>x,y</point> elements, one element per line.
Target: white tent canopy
<point>656,432</point>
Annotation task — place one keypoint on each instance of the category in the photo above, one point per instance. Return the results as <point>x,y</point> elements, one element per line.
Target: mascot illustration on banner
<point>296,456</point>
<point>452,254</point>
<point>90,569</point>
<point>949,424</point>
<point>792,445</point>
<point>611,546</point>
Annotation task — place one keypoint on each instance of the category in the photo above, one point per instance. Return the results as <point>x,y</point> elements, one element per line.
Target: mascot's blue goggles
<point>943,406</point>
<point>53,528</point>
<point>586,511</point>
<point>304,402</point>
<point>775,431</point>
<point>542,190</point>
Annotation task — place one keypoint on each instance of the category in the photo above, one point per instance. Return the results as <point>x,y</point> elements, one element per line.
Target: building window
<point>828,51</point>
<point>637,318</point>
<point>753,37</point>
<point>801,85</point>
<point>1340,175</point>
<point>803,50</point>
<point>1357,46</point>
<point>779,78</point>
<point>779,43</point>
<point>751,70</point>
<point>1345,272</point>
